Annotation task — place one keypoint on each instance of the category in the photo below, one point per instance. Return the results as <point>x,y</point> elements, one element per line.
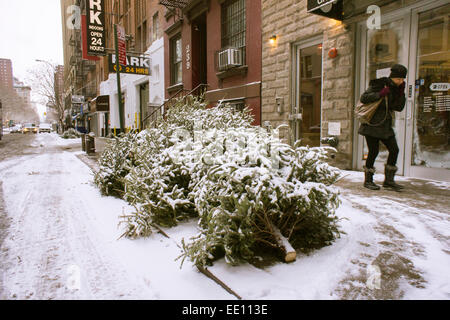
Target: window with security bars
<point>233,23</point>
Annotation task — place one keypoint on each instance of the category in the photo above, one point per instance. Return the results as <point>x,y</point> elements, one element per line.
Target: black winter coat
<point>396,102</point>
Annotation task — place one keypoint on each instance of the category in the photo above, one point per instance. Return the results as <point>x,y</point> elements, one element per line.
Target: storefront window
<point>431,144</point>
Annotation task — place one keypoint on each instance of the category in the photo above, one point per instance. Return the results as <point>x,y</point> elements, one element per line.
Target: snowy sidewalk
<point>61,227</point>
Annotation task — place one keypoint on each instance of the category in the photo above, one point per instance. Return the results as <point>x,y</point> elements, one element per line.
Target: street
<point>45,229</point>
<point>59,240</point>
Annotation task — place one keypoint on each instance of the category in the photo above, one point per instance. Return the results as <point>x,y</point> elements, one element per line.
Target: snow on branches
<point>248,190</point>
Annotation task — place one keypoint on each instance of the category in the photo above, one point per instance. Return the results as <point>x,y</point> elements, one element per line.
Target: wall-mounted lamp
<point>273,39</point>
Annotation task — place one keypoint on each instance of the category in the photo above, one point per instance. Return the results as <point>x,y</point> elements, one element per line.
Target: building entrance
<point>306,113</point>
<point>418,38</point>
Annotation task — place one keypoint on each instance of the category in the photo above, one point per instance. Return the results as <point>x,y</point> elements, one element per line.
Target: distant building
<point>59,81</point>
<point>6,73</point>
<point>23,91</point>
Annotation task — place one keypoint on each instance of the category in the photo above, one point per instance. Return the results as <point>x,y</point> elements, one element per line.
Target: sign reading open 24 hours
<point>95,27</point>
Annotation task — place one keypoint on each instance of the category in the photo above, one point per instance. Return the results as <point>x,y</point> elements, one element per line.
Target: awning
<point>328,8</point>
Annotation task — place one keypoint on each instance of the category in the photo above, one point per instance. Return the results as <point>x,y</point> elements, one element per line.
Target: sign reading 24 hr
<point>95,23</point>
<point>134,65</point>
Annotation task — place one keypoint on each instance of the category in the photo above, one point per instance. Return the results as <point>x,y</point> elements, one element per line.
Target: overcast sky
<point>30,30</point>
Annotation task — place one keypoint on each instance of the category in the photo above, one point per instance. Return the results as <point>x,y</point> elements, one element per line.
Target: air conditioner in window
<point>230,58</point>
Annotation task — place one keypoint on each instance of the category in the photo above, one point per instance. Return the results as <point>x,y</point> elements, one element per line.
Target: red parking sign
<point>122,45</point>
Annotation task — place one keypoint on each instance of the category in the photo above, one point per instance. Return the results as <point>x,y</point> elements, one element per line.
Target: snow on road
<point>61,227</point>
<point>62,243</point>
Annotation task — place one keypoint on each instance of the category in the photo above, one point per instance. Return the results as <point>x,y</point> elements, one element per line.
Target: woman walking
<point>380,126</point>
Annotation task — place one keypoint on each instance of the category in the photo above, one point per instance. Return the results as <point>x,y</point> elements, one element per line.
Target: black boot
<point>389,173</point>
<point>368,179</point>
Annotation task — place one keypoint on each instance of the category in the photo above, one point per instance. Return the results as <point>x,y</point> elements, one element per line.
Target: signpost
<point>119,87</point>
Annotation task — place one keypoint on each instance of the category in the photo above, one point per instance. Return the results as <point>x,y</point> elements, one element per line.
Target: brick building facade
<point>216,43</point>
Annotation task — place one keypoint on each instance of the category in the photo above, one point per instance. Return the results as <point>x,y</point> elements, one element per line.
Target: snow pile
<point>243,184</point>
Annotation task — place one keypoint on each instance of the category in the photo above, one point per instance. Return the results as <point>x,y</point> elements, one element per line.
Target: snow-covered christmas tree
<point>248,190</point>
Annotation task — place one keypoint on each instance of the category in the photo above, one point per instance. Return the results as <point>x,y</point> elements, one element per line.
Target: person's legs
<point>374,147</point>
<point>369,170</point>
<point>391,169</point>
<point>391,145</point>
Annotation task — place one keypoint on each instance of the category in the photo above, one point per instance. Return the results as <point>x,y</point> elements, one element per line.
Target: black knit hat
<point>398,71</point>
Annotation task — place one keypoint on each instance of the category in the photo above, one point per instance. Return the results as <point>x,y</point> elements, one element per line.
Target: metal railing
<point>160,111</point>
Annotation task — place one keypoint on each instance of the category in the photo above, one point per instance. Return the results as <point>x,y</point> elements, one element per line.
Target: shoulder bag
<point>365,112</point>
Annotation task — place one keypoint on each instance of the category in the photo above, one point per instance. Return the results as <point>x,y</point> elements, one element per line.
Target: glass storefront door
<point>308,93</point>
<point>384,47</point>
<point>429,126</point>
<point>419,38</point>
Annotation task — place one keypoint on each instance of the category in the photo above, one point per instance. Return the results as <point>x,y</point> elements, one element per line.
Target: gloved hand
<point>384,92</point>
<point>401,89</point>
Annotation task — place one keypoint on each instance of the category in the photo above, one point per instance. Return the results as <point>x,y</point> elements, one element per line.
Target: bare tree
<point>46,85</point>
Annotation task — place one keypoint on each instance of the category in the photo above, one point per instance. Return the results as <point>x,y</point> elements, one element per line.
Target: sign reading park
<point>134,65</point>
<point>95,25</point>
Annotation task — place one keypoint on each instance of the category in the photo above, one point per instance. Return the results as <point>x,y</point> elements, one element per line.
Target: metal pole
<point>119,87</point>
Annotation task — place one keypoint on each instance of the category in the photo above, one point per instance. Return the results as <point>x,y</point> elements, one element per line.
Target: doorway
<point>144,96</point>
<point>418,38</point>
<point>306,113</point>
<point>199,51</point>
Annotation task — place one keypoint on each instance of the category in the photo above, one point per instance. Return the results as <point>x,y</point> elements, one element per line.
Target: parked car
<point>29,128</point>
<point>45,127</point>
<point>15,129</point>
